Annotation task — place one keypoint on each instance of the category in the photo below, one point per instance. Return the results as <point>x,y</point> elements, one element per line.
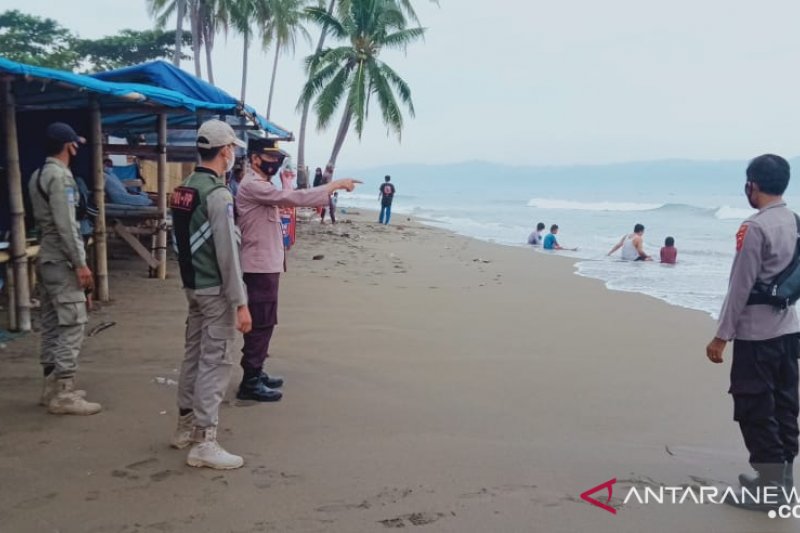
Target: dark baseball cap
<point>62,132</point>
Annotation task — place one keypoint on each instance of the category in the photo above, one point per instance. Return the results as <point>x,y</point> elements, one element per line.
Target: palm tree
<point>354,72</point>
<point>213,16</point>
<point>181,8</point>
<point>243,16</point>
<point>344,6</point>
<point>282,29</point>
<point>162,10</point>
<point>302,171</point>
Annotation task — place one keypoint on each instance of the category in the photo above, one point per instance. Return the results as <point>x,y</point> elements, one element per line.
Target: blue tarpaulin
<point>125,94</point>
<point>167,76</point>
<point>128,107</point>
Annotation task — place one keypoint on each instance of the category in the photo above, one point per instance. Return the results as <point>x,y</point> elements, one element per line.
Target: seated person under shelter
<point>116,191</point>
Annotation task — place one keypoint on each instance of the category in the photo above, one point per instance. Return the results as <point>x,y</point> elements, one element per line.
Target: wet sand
<point>434,382</point>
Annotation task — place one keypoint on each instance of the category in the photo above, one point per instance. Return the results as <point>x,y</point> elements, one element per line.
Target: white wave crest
<point>727,213</point>
<point>547,203</point>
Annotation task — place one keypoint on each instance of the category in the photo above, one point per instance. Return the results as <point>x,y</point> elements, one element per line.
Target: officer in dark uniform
<point>765,337</point>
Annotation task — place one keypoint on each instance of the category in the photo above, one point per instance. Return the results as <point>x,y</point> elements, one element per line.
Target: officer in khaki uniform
<point>63,272</point>
<point>764,379</point>
<point>208,253</point>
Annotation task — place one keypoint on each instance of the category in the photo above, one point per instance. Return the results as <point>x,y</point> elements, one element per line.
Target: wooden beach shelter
<point>33,97</point>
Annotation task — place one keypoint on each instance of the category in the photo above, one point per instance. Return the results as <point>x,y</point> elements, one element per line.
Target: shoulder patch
<point>230,210</point>
<point>740,236</point>
<point>184,199</point>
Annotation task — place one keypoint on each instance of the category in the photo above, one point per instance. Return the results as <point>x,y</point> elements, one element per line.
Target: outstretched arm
<point>618,245</point>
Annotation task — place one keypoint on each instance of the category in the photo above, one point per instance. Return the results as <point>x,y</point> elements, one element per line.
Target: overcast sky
<point>574,81</point>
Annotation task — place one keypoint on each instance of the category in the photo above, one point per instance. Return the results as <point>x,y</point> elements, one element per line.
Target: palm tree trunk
<point>244,63</point>
<point>301,140</point>
<point>176,57</point>
<point>341,135</point>
<point>272,82</point>
<point>209,44</point>
<point>194,20</point>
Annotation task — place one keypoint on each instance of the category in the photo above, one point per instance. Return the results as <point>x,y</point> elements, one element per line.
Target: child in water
<point>669,254</point>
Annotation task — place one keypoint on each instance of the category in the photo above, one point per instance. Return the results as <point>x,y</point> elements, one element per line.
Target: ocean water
<point>700,205</point>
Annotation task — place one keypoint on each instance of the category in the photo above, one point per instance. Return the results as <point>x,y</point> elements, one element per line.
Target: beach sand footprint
<point>388,496</point>
<point>412,519</point>
<point>264,478</point>
<point>37,502</point>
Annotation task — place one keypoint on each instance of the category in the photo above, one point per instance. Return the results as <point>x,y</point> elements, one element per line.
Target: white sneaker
<point>50,389</point>
<point>68,402</point>
<point>208,453</point>
<point>183,433</point>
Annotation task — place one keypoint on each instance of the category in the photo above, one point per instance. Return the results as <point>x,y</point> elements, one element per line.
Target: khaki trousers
<point>206,367</point>
<point>63,316</point>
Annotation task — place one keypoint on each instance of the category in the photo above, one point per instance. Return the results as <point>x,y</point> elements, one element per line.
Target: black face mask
<point>748,191</point>
<point>269,168</point>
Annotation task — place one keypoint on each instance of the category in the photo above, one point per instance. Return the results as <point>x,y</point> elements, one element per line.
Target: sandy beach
<point>434,383</point>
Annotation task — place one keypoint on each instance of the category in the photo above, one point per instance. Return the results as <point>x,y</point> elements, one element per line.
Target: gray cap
<point>214,133</point>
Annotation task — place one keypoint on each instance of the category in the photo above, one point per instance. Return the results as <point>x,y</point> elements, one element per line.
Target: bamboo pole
<point>161,242</point>
<point>100,232</point>
<point>11,287</point>
<point>19,256</point>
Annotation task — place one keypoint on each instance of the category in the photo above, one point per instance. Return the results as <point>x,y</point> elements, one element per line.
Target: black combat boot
<point>767,475</point>
<point>254,389</point>
<point>273,382</point>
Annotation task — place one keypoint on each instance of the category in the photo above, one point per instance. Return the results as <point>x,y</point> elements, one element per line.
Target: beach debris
<point>666,447</point>
<point>479,260</point>
<point>318,257</point>
<point>100,327</point>
<point>165,381</point>
<point>162,412</point>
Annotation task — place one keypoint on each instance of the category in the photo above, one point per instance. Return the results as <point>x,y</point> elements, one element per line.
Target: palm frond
<point>329,98</point>
<point>401,39</point>
<point>330,23</point>
<point>357,99</point>
<point>342,54</point>
<point>390,111</point>
<point>315,83</point>
<point>399,84</point>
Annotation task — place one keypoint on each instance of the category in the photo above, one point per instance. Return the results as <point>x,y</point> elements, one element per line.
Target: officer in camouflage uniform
<point>208,253</point>
<point>63,273</point>
<point>764,377</point>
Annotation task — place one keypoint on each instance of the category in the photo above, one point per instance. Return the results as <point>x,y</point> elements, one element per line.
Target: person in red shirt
<point>669,254</point>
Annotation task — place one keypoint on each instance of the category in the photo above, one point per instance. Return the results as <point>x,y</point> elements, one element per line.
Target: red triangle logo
<point>609,486</point>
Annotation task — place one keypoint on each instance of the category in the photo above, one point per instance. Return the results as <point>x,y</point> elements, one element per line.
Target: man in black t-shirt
<point>386,194</point>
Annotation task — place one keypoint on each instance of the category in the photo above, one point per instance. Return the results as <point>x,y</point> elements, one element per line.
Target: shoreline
<point>576,262</point>
<point>433,381</point>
